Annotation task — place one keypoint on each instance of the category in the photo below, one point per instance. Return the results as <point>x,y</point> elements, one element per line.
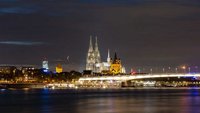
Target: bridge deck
<point>131,77</point>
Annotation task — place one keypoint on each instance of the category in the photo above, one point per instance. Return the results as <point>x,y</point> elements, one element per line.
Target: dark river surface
<point>129,100</point>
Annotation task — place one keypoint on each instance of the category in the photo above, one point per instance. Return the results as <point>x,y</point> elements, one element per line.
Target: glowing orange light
<point>183,67</point>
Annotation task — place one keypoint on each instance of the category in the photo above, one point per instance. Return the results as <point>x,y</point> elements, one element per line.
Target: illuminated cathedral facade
<point>94,63</point>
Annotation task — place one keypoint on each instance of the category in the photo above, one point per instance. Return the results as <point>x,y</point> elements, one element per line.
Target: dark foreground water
<point>101,101</point>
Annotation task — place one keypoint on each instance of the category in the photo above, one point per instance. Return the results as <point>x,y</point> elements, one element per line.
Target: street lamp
<point>163,70</point>
<point>189,69</point>
<point>151,70</point>
<point>176,69</point>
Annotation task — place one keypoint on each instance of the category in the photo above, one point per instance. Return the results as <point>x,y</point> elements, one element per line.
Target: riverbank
<point>22,85</point>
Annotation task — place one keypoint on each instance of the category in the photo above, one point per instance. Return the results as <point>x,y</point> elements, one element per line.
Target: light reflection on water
<point>100,101</point>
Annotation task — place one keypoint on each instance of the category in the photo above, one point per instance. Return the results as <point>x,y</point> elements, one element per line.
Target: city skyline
<point>99,56</point>
<point>143,33</point>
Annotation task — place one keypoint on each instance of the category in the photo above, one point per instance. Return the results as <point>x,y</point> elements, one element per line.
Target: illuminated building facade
<point>116,66</point>
<point>59,68</point>
<point>27,69</point>
<point>45,64</point>
<point>94,64</point>
<point>9,70</point>
<point>93,61</point>
<point>105,66</point>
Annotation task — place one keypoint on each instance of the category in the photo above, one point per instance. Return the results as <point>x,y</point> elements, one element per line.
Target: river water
<point>129,100</point>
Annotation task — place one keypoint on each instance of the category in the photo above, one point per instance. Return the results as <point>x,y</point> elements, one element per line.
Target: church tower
<point>108,58</point>
<point>94,63</point>
<point>90,61</point>
<point>97,57</point>
<point>97,53</point>
<point>116,66</point>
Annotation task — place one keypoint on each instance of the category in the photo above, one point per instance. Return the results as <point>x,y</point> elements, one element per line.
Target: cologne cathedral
<point>94,63</point>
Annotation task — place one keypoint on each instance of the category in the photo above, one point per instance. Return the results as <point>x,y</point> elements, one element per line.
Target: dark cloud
<point>21,43</point>
<point>17,10</point>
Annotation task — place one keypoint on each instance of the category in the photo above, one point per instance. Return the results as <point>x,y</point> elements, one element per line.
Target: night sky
<point>144,33</point>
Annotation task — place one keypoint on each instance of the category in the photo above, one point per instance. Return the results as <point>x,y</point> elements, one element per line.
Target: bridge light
<point>183,67</point>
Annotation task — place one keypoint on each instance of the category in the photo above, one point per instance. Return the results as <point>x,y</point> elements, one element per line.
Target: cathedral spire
<point>90,46</point>
<point>90,57</point>
<point>96,45</point>
<point>96,52</point>
<point>108,58</point>
<point>115,57</point>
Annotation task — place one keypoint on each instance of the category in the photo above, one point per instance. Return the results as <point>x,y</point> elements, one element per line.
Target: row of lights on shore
<point>182,69</point>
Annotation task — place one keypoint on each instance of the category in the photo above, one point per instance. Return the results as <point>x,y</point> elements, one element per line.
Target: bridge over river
<point>180,80</point>
<point>132,77</point>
